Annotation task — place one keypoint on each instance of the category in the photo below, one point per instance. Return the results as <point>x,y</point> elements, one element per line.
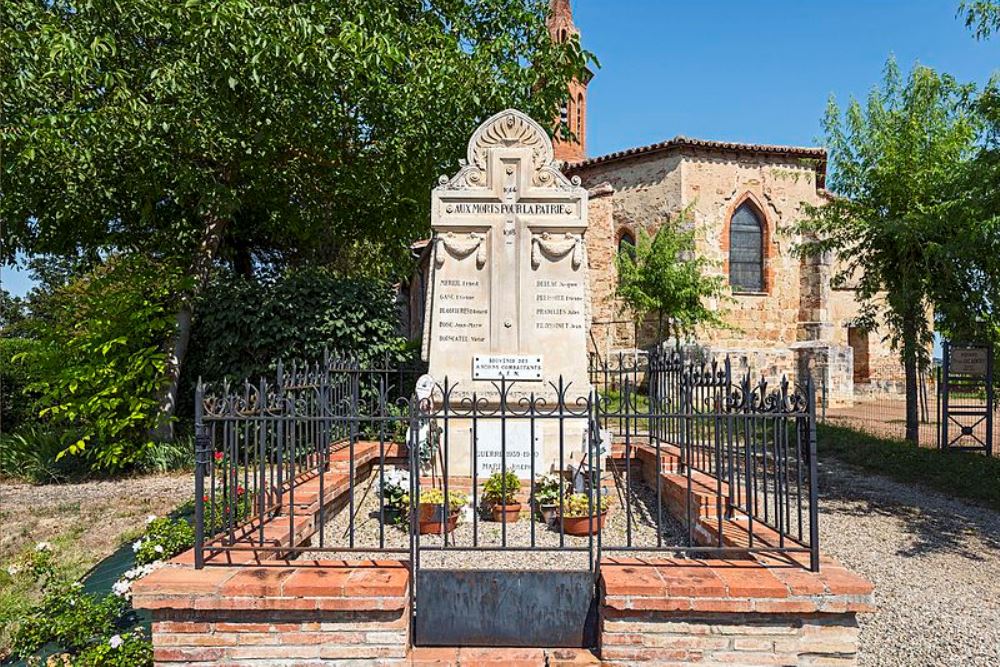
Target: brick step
<point>454,656</point>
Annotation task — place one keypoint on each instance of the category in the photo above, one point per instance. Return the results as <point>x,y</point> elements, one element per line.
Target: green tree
<point>251,131</point>
<point>897,222</point>
<point>663,275</point>
<point>94,357</point>
<point>981,16</point>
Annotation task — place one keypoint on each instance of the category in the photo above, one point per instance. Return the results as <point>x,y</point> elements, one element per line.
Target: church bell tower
<point>573,113</point>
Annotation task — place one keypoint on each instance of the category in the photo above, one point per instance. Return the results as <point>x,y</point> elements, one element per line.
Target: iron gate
<point>967,398</point>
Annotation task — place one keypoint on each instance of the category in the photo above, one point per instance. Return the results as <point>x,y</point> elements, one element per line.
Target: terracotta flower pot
<point>581,525</point>
<point>430,520</point>
<point>509,513</point>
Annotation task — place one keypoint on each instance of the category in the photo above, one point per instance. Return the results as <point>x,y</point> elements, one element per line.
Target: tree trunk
<point>910,370</point>
<point>200,271</point>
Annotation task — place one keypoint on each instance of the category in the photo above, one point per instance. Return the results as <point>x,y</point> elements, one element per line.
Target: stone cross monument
<point>508,294</point>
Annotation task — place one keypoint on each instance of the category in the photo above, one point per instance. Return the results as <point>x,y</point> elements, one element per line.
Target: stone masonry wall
<point>275,638</point>
<point>670,638</point>
<point>797,305</point>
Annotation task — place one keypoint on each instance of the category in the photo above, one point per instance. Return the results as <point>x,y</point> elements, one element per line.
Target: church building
<point>745,200</point>
<point>785,317</point>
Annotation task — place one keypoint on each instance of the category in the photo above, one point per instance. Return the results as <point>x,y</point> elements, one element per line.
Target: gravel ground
<point>935,562</point>
<point>490,533</point>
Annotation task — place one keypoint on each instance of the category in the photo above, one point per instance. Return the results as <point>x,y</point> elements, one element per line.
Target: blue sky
<point>757,71</point>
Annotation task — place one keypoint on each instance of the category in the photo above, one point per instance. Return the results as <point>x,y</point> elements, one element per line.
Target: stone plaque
<point>509,267</point>
<point>515,435</point>
<point>968,361</point>
<point>507,366</point>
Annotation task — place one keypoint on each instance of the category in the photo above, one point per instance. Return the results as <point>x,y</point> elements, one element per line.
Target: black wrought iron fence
<point>654,454</point>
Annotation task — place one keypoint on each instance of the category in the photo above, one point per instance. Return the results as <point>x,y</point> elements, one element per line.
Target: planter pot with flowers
<point>394,485</point>
<point>432,515</point>
<point>581,516</point>
<point>500,491</point>
<point>546,496</point>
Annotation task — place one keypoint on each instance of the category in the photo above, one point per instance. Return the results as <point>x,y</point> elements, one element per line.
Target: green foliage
<point>32,454</point>
<point>86,629</point>
<point>245,326</point>
<point>128,649</point>
<point>97,358</point>
<point>981,16</point>
<point>547,489</point>
<point>166,456</point>
<point>579,505</point>
<point>163,538</point>
<point>456,499</point>
<point>972,476</point>
<point>666,277</point>
<point>502,489</point>
<point>311,131</point>
<point>897,223</point>
<point>15,400</point>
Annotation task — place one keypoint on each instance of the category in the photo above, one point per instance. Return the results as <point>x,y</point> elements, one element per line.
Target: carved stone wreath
<point>460,246</point>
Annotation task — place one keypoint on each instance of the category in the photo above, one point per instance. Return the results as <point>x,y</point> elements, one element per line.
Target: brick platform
<point>313,613</point>
<point>746,612</point>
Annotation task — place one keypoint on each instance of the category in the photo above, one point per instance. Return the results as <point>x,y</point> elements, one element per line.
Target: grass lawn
<point>84,523</point>
<point>971,476</point>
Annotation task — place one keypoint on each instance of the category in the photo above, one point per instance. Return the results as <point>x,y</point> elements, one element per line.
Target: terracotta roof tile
<point>807,152</point>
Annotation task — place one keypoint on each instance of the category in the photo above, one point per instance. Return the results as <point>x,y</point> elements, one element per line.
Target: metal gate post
<point>946,350</point>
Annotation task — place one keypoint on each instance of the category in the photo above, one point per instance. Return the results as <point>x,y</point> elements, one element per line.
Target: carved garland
<point>461,246</point>
<point>555,248</point>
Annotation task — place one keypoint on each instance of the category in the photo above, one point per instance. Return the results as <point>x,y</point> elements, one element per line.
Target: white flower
<point>12,570</point>
<point>136,546</point>
<point>43,546</point>
<point>158,548</point>
<point>116,641</point>
<point>467,513</point>
<point>122,588</point>
<point>150,519</point>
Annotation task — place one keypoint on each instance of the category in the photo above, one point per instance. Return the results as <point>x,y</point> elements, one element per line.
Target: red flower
<point>219,456</point>
<point>240,490</point>
<point>204,498</point>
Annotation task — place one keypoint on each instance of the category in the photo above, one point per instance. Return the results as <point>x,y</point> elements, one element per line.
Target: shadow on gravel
<point>936,522</point>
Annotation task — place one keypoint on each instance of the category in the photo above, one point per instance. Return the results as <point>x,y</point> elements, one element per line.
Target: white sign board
<point>515,437</point>
<point>507,366</point>
<point>968,361</point>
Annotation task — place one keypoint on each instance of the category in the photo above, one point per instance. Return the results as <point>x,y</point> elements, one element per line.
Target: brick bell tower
<point>573,113</point>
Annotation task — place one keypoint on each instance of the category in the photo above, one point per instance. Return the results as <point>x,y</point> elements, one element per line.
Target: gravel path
<point>490,533</point>
<point>935,562</point>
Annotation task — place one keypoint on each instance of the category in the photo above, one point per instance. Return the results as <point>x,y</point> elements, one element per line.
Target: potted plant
<point>501,491</point>
<point>394,487</point>
<point>431,516</point>
<point>579,517</point>
<point>546,496</point>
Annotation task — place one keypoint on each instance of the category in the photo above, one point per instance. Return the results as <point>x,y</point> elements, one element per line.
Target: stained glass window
<point>746,251</point>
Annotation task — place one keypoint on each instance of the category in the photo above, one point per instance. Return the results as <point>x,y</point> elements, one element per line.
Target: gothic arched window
<point>746,250</point>
<point>626,244</point>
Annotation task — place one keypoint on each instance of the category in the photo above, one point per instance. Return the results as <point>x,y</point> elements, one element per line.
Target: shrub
<point>245,326</point>
<point>32,454</point>
<point>15,400</point>
<point>502,488</point>
<point>165,456</point>
<point>164,538</point>
<point>579,505</point>
<point>98,358</point>
<point>129,649</point>
<point>395,487</point>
